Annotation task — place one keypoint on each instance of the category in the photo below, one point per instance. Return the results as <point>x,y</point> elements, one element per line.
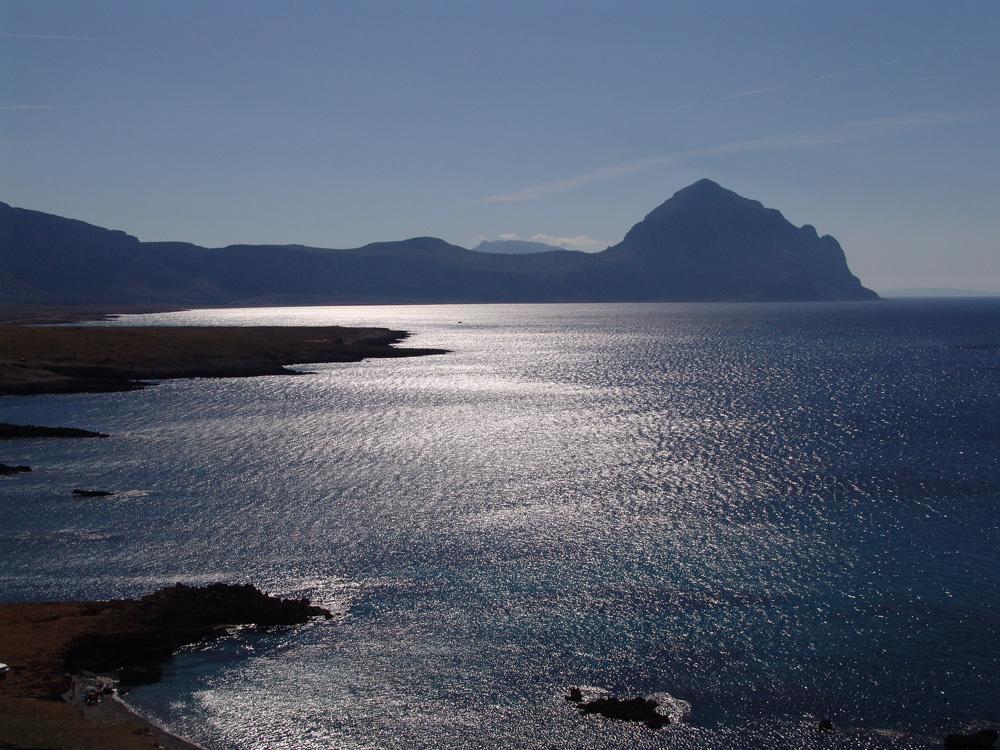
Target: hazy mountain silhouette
<point>704,243</point>
<point>514,247</point>
<point>707,242</point>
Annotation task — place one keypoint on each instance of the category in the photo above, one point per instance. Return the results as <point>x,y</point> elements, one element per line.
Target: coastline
<point>389,369</point>
<point>37,359</point>
<point>48,645</point>
<point>38,639</point>
<point>27,314</point>
<point>114,709</point>
<point>32,713</point>
<point>160,734</point>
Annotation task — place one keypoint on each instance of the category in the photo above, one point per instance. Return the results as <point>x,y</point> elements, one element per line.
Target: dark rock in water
<point>825,725</point>
<point>575,695</point>
<point>11,431</point>
<point>626,709</point>
<point>146,632</point>
<point>6,470</point>
<point>91,493</point>
<point>981,740</point>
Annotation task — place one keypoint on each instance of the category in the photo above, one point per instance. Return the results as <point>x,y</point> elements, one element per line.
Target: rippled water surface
<point>772,512</point>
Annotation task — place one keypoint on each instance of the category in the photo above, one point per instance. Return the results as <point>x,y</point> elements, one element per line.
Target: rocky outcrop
<point>6,471</point>
<point>14,431</point>
<point>142,634</point>
<point>638,709</point>
<point>627,709</point>
<point>84,494</point>
<point>984,739</point>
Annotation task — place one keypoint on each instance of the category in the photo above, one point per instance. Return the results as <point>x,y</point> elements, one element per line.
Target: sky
<point>335,124</point>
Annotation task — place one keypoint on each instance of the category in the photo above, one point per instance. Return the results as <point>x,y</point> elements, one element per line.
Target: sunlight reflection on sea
<point>773,512</point>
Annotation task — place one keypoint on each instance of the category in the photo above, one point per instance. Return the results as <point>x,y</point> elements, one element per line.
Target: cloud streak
<point>852,71</point>
<point>38,107</point>
<point>848,132</point>
<point>753,92</point>
<point>785,86</point>
<point>64,37</point>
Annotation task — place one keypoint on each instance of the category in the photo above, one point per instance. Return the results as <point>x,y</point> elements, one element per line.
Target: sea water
<point>770,513</point>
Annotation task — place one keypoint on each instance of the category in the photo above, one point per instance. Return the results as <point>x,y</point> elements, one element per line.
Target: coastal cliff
<point>707,242</point>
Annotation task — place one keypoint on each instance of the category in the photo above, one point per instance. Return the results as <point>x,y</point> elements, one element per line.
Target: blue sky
<point>336,124</point>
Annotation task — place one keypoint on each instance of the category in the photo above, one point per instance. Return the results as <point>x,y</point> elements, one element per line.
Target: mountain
<point>707,242</point>
<point>514,247</point>
<point>704,243</point>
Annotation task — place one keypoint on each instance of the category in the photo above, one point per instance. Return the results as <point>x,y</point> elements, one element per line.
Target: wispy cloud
<point>46,36</point>
<point>785,86</point>
<point>847,132</point>
<point>37,107</point>
<point>852,71</point>
<point>753,92</point>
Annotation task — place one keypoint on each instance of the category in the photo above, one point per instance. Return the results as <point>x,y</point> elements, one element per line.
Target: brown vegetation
<point>72,359</point>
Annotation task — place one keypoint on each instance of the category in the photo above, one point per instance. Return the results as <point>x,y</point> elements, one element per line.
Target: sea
<point>761,515</point>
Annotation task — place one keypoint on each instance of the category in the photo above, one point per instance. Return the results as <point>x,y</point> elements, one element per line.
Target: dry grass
<point>39,359</point>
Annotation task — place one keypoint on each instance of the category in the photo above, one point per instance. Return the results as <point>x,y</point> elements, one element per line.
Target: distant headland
<point>67,359</point>
<point>705,243</point>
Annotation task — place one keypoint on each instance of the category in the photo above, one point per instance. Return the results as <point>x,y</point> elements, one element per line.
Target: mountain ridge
<point>704,243</point>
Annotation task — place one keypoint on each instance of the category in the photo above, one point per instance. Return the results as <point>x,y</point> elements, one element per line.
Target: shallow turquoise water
<point>772,512</point>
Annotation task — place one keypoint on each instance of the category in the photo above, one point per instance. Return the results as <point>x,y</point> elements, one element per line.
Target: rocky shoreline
<point>27,431</point>
<point>48,646</point>
<point>96,359</point>
<point>39,358</point>
<point>51,647</point>
<point>140,635</point>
